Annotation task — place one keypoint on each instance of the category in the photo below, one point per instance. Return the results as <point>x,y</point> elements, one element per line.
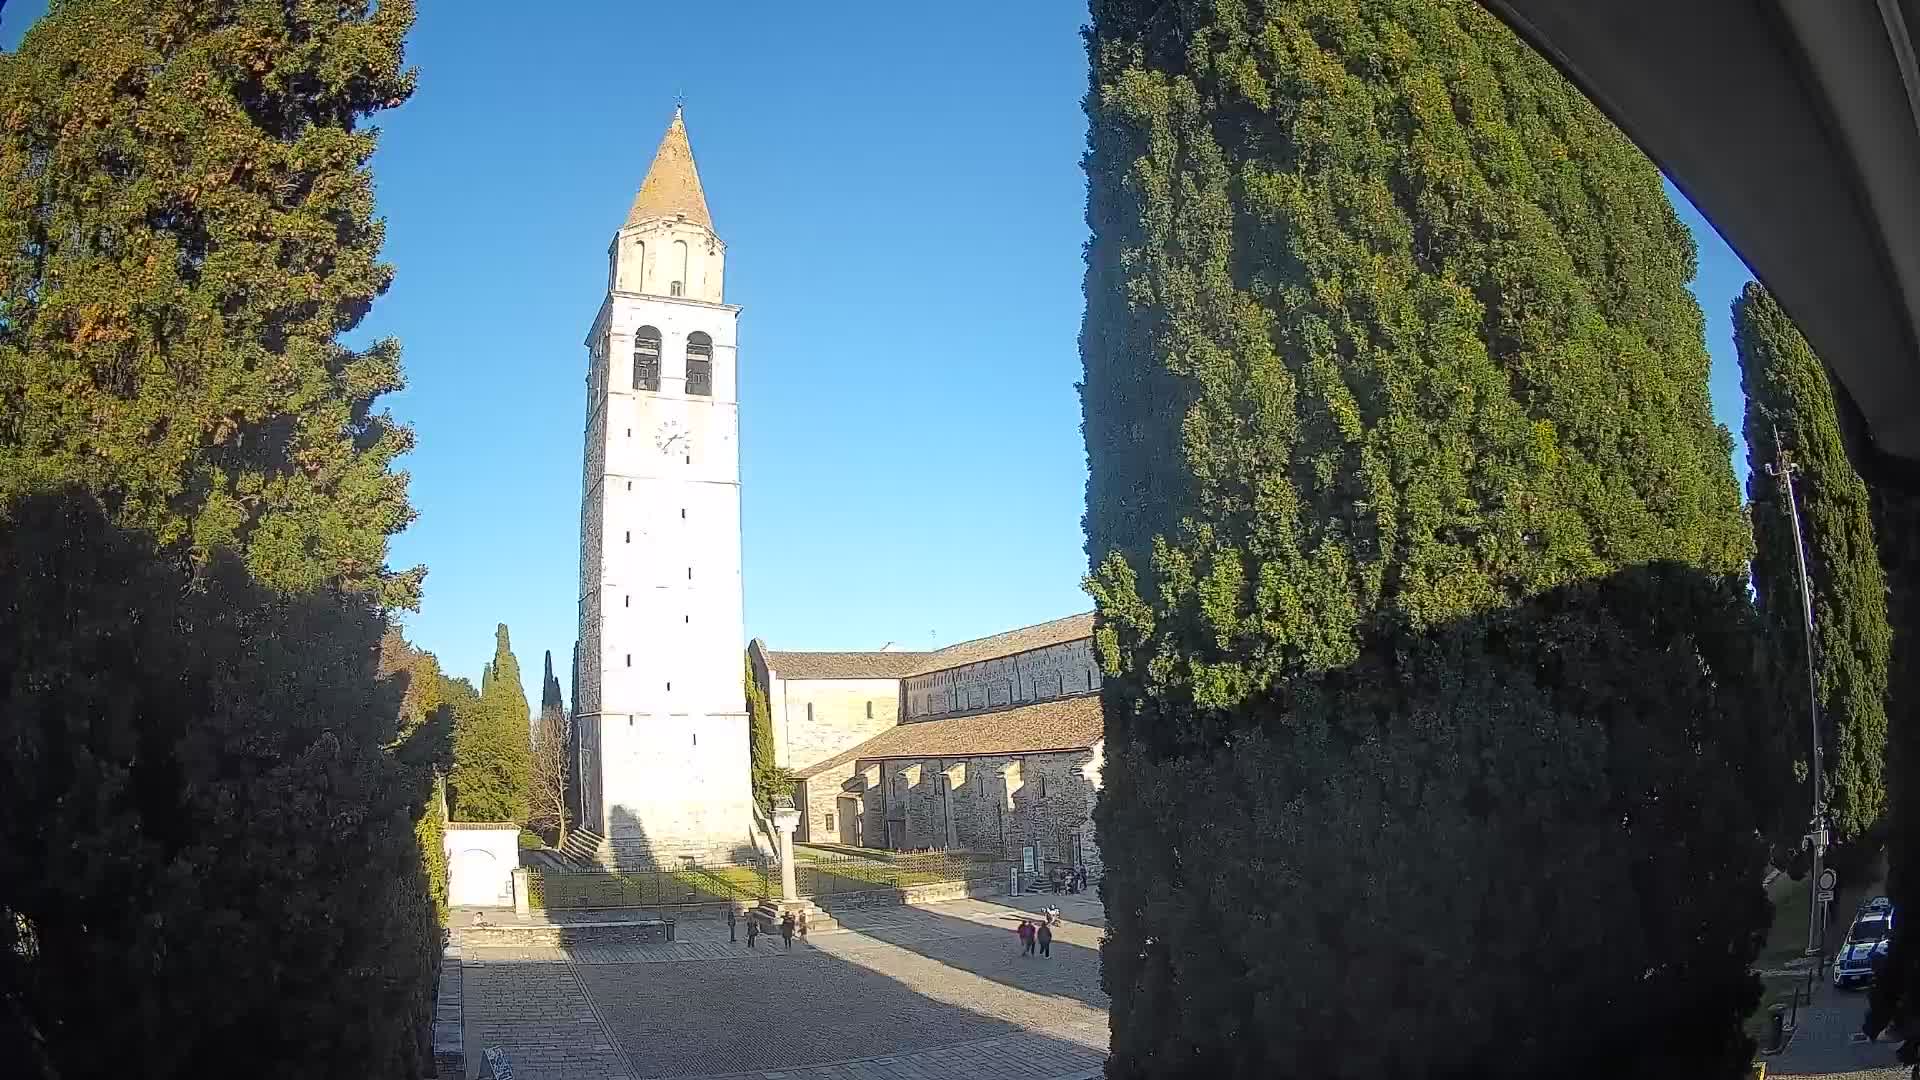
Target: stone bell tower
<point>663,765</point>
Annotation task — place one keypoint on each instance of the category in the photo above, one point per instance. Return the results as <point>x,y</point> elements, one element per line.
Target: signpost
<point>1827,881</point>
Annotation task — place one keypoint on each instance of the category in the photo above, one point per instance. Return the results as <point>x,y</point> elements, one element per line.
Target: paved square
<point>928,993</point>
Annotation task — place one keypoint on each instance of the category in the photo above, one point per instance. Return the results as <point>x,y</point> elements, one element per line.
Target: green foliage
<point>492,748</point>
<point>1788,393</point>
<point>770,781</point>
<point>186,231</point>
<point>424,710</point>
<point>207,818</point>
<point>1430,708</point>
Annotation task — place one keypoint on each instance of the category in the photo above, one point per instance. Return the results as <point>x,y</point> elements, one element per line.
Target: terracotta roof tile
<point>843,665</point>
<point>1073,723</point>
<point>1025,639</point>
<point>899,665</point>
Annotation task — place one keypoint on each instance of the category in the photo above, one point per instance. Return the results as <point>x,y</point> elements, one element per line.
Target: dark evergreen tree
<point>186,231</point>
<point>1432,678</point>
<point>208,806</point>
<point>1896,990</point>
<point>424,707</point>
<point>492,742</point>
<point>770,781</point>
<point>550,782</point>
<point>1788,395</point>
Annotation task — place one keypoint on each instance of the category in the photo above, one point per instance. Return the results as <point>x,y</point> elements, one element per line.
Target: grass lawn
<point>1787,938</point>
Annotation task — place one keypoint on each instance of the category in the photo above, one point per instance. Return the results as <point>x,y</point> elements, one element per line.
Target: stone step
<point>769,914</point>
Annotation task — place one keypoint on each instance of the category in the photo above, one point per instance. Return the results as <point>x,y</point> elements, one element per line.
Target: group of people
<point>1035,934</point>
<point>788,925</point>
<point>1073,881</point>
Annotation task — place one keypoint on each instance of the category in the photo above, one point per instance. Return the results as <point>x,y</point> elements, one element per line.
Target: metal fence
<point>593,887</point>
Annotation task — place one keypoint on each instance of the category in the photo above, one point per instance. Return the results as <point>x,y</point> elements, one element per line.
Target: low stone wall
<point>449,1034</point>
<point>930,893</point>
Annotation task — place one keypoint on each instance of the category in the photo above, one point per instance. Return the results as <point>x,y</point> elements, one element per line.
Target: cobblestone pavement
<point>923,993</point>
<point>543,1019</point>
<point>1825,1045</point>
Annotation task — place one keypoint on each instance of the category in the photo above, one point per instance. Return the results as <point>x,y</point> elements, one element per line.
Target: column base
<point>809,915</point>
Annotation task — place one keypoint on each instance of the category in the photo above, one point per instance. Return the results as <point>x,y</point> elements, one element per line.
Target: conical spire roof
<point>672,186</point>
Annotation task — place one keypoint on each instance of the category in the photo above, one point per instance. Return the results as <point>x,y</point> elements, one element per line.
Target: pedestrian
<point>753,932</point>
<point>786,929</point>
<point>733,917</point>
<point>1046,940</point>
<point>1026,938</point>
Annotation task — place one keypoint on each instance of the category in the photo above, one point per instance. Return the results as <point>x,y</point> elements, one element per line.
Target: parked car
<point>1879,905</point>
<point>1854,966</point>
<point>1871,928</point>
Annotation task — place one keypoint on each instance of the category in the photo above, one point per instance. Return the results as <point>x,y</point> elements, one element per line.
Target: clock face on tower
<point>673,438</point>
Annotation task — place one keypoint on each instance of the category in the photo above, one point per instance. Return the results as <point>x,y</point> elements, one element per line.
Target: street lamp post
<point>1816,839</point>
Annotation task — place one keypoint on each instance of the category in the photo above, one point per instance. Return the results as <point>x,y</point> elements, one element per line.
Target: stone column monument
<point>771,910</point>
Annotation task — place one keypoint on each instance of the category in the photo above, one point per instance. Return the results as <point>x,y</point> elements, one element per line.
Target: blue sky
<point>901,197</point>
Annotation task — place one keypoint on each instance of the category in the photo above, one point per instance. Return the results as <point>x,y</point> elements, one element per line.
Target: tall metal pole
<point>1816,837</point>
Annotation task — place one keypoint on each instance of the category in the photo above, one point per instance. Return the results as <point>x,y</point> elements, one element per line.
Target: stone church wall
<point>1002,804</point>
<point>814,719</point>
<point>1037,675</point>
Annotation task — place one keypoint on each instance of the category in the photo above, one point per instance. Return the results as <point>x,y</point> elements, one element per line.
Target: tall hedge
<point>1432,742</point>
<point>1788,394</point>
<point>187,231</point>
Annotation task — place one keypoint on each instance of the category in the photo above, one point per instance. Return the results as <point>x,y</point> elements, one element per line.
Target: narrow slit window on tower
<point>646,359</point>
<point>629,538</point>
<point>869,710</point>
<point>629,659</point>
<point>626,601</point>
<point>673,289</point>
<point>683,513</point>
<point>699,364</point>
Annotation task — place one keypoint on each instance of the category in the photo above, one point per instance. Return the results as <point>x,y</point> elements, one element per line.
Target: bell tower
<point>663,762</point>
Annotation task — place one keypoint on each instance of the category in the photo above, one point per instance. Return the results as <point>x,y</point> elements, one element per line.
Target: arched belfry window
<point>646,358</point>
<point>699,364</point>
<point>678,286</point>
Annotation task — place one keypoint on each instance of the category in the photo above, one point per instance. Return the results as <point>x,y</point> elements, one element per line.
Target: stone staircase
<point>585,848</point>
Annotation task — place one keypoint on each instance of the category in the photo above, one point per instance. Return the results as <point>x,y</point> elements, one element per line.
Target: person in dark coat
<point>1026,938</point>
<point>733,918</point>
<point>786,929</point>
<point>753,932</point>
<point>1045,934</point>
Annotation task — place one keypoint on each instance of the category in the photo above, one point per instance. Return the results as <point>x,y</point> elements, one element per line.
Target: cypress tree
<point>770,781</point>
<point>549,790</point>
<point>1418,562</point>
<point>208,811</point>
<point>492,742</point>
<point>1788,395</point>
<point>187,230</point>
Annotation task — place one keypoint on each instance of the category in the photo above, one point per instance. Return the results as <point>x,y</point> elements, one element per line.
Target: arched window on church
<point>699,364</point>
<point>646,358</point>
<point>679,284</point>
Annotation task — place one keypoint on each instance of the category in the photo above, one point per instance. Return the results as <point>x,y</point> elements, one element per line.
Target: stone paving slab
<point>939,992</point>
